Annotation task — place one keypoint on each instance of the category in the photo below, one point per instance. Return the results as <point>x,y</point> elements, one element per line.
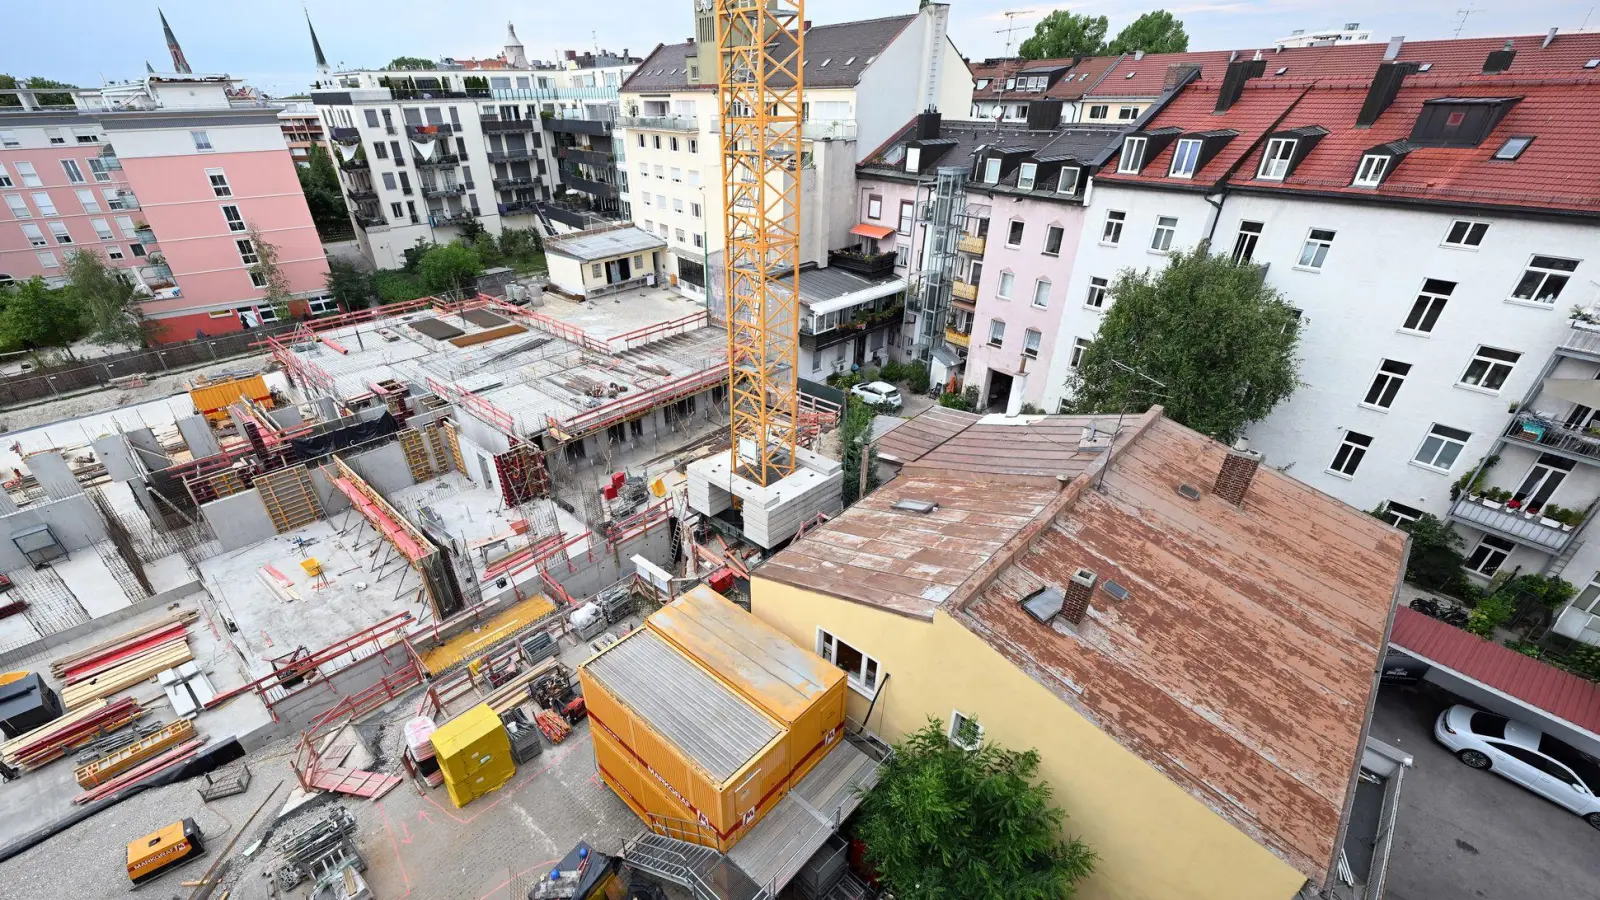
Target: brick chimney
<point>1079,588</point>
<point>1238,470</point>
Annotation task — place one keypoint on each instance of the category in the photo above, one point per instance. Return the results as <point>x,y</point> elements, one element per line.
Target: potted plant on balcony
<point>1585,318</point>
<point>1513,505</point>
<point>1495,498</point>
<point>1531,511</point>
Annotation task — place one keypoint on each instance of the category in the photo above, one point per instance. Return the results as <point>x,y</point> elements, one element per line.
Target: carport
<point>1495,678</point>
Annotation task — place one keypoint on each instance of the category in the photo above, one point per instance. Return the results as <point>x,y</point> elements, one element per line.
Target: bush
<point>1435,553</point>
<point>397,286</point>
<point>449,268</point>
<point>955,401</point>
<point>1490,613</point>
<point>916,376</point>
<point>892,372</point>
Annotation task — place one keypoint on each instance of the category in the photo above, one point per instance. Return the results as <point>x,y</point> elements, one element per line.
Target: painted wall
<point>1155,841</point>
<point>85,223</point>
<point>685,171</point>
<point>894,88</point>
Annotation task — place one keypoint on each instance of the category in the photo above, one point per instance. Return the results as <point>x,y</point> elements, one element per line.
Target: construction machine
<point>159,853</point>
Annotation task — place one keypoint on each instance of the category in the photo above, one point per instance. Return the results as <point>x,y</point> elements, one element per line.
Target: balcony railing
<point>372,223</point>
<point>443,190</point>
<point>1549,434</point>
<point>661,123</point>
<point>594,188</point>
<point>360,194</point>
<point>124,201</point>
<point>971,243</point>
<point>1536,531</point>
<point>512,183</point>
<point>145,236</point>
<point>450,218</point>
<point>345,135</point>
<point>958,338</point>
<point>356,164</point>
<point>438,159</point>
<point>964,290</point>
<point>503,126</point>
<point>586,157</point>
<point>566,125</point>
<point>865,323</point>
<point>430,130</point>
<point>519,208</point>
<point>828,129</point>
<point>863,263</point>
<point>1582,340</point>
<point>512,156</point>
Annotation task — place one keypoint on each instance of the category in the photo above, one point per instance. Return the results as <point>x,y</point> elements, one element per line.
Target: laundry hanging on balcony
<point>424,148</point>
<point>348,151</point>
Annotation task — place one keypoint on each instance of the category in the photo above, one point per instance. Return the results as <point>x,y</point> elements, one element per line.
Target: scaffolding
<point>944,211</point>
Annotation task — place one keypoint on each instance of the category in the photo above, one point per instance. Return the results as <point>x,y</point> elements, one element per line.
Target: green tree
<point>319,182</point>
<point>1220,340</point>
<point>269,274</point>
<point>109,299</point>
<point>948,822</point>
<point>9,83</point>
<point>854,431</point>
<point>1153,32</point>
<point>400,63</point>
<point>352,287</point>
<point>38,317</point>
<point>449,268</point>
<point>1435,560</point>
<point>1062,34</point>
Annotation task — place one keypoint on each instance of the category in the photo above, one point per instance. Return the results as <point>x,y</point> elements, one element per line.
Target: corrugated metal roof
<point>781,843</point>
<point>603,243</point>
<point>1561,694</point>
<point>912,438</point>
<point>847,48</point>
<point>702,718</point>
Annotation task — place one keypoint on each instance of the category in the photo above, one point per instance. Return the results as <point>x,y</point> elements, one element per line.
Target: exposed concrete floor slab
<point>169,572</point>
<point>16,630</point>
<point>92,583</point>
<point>616,314</point>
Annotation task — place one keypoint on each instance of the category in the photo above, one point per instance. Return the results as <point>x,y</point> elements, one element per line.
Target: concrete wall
<point>385,468</point>
<point>74,521</point>
<point>479,432</point>
<point>54,475</point>
<point>60,638</point>
<point>197,434</point>
<point>149,449</point>
<point>113,451</point>
<point>239,520</point>
<point>1154,840</point>
<point>332,499</point>
<point>296,711</point>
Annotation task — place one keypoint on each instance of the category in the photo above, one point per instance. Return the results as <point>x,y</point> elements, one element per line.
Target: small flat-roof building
<point>590,264</point>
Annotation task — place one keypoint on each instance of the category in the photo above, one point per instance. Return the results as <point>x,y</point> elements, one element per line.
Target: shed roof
<point>916,436</point>
<point>603,243</point>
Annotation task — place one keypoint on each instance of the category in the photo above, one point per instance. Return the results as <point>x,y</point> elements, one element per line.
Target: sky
<point>87,42</point>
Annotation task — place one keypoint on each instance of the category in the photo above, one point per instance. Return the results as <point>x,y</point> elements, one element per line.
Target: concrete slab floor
<point>470,512</point>
<point>615,314</point>
<point>92,583</point>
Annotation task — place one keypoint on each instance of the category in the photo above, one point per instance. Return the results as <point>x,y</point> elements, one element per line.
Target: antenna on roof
<point>1127,397</point>
<point>1011,25</point>
<point>1464,13</point>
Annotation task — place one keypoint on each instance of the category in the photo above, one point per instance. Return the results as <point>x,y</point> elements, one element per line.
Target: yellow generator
<point>154,854</point>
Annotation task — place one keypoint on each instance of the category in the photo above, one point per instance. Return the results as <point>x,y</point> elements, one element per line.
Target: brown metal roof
<point>909,440</point>
<point>1241,663</point>
<point>1027,447</point>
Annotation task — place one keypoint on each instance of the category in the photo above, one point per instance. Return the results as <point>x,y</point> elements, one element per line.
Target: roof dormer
<point>1377,163</point>
<point>1287,149</point>
<point>1139,147</point>
<point>1459,121</point>
<point>1196,149</point>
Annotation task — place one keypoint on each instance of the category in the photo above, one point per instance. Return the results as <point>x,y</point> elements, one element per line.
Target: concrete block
<point>198,436</point>
<point>239,520</point>
<point>54,475</point>
<point>117,456</point>
<point>148,448</point>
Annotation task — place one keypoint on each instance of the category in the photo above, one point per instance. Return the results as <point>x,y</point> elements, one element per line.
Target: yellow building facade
<point>1154,840</point>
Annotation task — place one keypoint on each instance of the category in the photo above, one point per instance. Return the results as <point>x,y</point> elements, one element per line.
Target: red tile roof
<point>1257,112</point>
<point>1561,694</point>
<point>1082,77</point>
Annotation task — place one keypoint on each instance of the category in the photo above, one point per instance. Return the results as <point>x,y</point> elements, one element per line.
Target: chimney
<point>1238,470</point>
<point>1549,38</point>
<point>1178,75</point>
<point>1075,598</point>
<point>1233,80</point>
<point>1392,51</point>
<point>928,125</point>
<point>1385,86</point>
<point>1499,60</point>
<point>1138,55</point>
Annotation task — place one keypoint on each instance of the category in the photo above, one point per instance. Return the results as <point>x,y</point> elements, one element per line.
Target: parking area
<point>1464,833</point>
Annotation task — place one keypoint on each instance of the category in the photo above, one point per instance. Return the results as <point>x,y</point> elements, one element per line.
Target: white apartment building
<point>1435,231</point>
<point>1352,31</point>
<point>863,81</point>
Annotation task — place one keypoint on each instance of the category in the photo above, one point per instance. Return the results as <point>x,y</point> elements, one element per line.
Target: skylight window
<point>851,61</point>
<point>1131,74</point>
<point>1592,64</point>
<point>1281,71</point>
<point>1513,147</point>
<point>825,63</point>
<point>1044,604</point>
<point>1424,67</point>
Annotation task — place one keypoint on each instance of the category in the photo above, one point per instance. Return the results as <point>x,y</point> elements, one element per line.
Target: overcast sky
<point>265,42</point>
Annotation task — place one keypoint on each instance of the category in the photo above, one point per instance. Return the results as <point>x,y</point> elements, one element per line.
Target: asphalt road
<point>1464,833</point>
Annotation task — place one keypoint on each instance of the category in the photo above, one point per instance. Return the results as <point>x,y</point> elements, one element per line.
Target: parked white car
<point>1524,754</point>
<point>877,393</point>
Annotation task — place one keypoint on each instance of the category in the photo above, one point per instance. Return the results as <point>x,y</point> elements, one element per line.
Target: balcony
<point>362,194</point>
<point>430,130</point>
<point>584,157</point>
<point>1582,341</point>
<point>1537,532</point>
<point>443,190</point>
<point>971,243</point>
<point>360,163</point>
<point>108,158</point>
<point>1551,436</point>
<point>505,126</point>
<point>963,290</point>
<point>661,123</point>
<point>869,264</point>
<point>593,188</point>
<point>512,156</point>
<point>828,129</point>
<point>372,222</point>
<point>451,218</point>
<point>145,235</point>
<point>958,338</point>
<point>1578,624</point>
<point>125,200</point>
<point>345,135</point>
<point>577,126</point>
<point>519,208</point>
<point>867,323</point>
<point>438,159</point>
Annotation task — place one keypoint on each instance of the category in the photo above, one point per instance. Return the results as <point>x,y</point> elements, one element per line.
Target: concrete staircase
<point>706,873</point>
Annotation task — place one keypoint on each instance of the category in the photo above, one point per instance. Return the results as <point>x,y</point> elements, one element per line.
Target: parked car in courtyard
<point>1522,753</point>
<point>878,393</point>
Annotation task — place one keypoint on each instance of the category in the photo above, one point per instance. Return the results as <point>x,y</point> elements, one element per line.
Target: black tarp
<point>27,703</point>
<point>319,445</point>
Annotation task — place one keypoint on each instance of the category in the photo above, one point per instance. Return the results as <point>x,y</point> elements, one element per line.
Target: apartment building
<point>863,80</point>
<point>164,177</point>
<point>1433,218</point>
<point>302,130</point>
<point>1352,31</point>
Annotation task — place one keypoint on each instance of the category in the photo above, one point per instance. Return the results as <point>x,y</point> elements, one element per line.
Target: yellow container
<point>312,566</point>
<point>212,400</point>
<point>474,754</point>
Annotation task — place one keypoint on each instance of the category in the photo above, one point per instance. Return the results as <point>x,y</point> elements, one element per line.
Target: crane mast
<point>760,50</point>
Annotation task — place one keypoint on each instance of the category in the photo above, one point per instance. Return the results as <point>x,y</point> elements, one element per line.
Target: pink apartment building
<point>1025,195</point>
<point>165,177</point>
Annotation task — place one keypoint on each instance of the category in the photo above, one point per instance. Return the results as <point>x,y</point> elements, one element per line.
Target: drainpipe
<point>1216,201</point>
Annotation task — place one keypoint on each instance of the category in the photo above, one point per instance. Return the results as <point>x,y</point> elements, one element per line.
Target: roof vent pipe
<point>1393,50</point>
<point>1138,55</point>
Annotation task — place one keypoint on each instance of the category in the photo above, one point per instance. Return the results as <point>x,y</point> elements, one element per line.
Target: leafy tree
<point>487,248</point>
<point>1153,32</point>
<point>1214,334</point>
<point>270,274</point>
<point>1062,34</point>
<point>1436,558</point>
<point>397,287</point>
<point>108,297</point>
<point>854,432</point>
<point>8,83</point>
<point>352,287</point>
<point>449,268</point>
<point>320,184</point>
<point>945,822</point>
<point>400,63</point>
<point>37,317</point>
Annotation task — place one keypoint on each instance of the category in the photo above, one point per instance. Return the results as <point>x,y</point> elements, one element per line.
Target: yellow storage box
<point>474,753</point>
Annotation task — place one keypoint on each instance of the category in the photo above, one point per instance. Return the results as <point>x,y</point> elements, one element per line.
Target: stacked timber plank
<point>100,771</point>
<point>76,728</point>
<point>115,665</point>
<point>66,665</point>
<point>518,690</point>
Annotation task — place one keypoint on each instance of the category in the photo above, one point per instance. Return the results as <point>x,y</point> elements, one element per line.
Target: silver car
<point>1524,754</point>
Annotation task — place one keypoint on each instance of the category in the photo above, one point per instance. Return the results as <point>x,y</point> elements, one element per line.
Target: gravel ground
<point>100,401</point>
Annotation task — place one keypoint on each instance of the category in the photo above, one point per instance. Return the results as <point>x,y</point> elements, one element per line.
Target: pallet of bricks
<point>122,662</point>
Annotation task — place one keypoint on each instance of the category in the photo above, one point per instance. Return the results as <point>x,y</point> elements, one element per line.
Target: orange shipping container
<point>211,400</point>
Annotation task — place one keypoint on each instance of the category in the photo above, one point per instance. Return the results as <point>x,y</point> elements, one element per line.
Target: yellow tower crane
<point>760,50</point>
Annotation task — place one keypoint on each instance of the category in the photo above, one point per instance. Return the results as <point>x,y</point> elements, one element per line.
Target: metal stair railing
<point>682,862</point>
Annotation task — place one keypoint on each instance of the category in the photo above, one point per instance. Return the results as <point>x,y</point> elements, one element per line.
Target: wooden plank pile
<point>119,663</point>
<point>100,771</point>
<point>76,728</point>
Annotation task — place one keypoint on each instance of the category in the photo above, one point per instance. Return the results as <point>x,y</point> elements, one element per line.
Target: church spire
<point>179,64</point>
<point>316,46</point>
<point>516,58</point>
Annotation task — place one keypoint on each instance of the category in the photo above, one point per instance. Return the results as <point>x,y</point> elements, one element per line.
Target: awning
<point>1582,391</point>
<point>877,232</point>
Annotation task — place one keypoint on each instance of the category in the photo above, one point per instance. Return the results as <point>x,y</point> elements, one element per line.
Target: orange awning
<point>872,231</point>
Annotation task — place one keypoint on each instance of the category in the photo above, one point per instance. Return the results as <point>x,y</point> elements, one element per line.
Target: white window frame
<point>1185,158</point>
<point>1444,440</point>
<point>1369,173</point>
<point>991,170</point>
<point>202,141</point>
<point>1397,518</point>
<point>1317,248</point>
<point>74,171</point>
<point>1350,454</point>
<point>1099,288</point>
<point>1061,238</point>
<point>1386,382</point>
<point>102,229</point>
<point>86,199</point>
<point>97,168</point>
<point>1027,175</point>
<point>997,340</point>
<point>1246,242</point>
<point>1500,546</point>
<point>247,251</point>
<point>827,648</point>
<point>114,251</point>
<point>1426,301</point>
<point>1031,339</point>
<point>1010,227</point>
<point>219,183</point>
<point>874,207</point>
<point>1132,158</point>
<point>1547,272</point>
<point>1111,231</point>
<point>1490,364</point>
<point>28,174</point>
<point>1067,181</point>
<point>959,722</point>
<point>60,232</point>
<point>1041,285</point>
<point>1079,346</point>
<point>5,177</point>
<point>18,206</point>
<point>1466,242</point>
<point>1008,280</point>
<point>1275,161</point>
<point>34,234</point>
<point>48,259</point>
<point>46,204</point>
<point>1127,113</point>
<point>1165,231</point>
<point>1099,110</point>
<point>236,224</point>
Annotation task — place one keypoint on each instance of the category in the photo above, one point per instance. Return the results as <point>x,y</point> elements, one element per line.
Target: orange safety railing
<point>613,413</point>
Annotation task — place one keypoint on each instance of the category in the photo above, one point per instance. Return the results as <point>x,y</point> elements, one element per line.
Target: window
<point>661,172</point>
<point>54,134</point>
<point>1464,233</point>
<point>397,210</point>
<point>677,173</point>
<point>1244,246</point>
<point>965,732</point>
<point>60,232</point>
<point>247,251</point>
<point>9,139</point>
<point>125,225</point>
<point>1399,515</point>
<point>47,207</point>
<point>230,214</point>
<point>874,207</point>
<point>1030,343</point>
<point>258,279</point>
<point>389,182</point>
<point>1097,293</point>
<point>1489,555</point>
<point>1026,176</point>
<point>1540,484</point>
<point>661,201</point>
<point>1351,451</point>
<point>137,251</point>
<point>997,332</point>
<point>113,252</point>
<point>202,141</point>
<point>1132,156</point>
<point>694,145</point>
<point>48,260</point>
<point>1513,147</point>
<point>1003,290</point>
<point>1014,234</point>
<point>991,170</point>
<point>219,183</point>
<point>34,234</point>
<point>87,201</point>
<point>1429,304</point>
<point>1052,240</point>
<point>1541,283</point>
<point>319,305</point>
<point>1275,164</point>
<point>1185,159</point>
<point>30,177</point>
<point>1099,111</point>
<point>641,140</point>
<point>672,144</point>
<point>1041,293</point>
<point>380,149</point>
<point>699,243</point>
<point>1370,172</point>
<point>1079,347</point>
<point>694,210</point>
<point>1441,447</point>
<point>1127,113</point>
<point>1489,368</point>
<point>644,197</point>
<point>1111,234</point>
<point>679,235</point>
<point>18,206</point>
<point>394,151</point>
<point>1166,227</point>
<point>102,229</point>
<point>5,177</point>
<point>1385,384</point>
<point>97,168</point>
<point>655,140</point>
<point>74,174</point>
<point>1068,182</point>
<point>861,670</point>
<point>1315,252</point>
